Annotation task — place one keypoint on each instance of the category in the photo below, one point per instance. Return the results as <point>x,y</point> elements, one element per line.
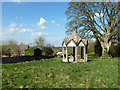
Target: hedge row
<point>34,51</point>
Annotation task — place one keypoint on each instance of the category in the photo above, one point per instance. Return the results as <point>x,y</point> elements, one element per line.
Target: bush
<point>115,50</point>
<point>98,48</point>
<point>30,51</point>
<point>37,52</point>
<point>47,51</point>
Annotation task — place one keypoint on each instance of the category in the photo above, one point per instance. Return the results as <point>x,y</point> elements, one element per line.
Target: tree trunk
<point>105,48</point>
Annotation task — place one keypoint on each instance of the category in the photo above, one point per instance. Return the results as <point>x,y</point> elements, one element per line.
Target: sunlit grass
<point>53,73</point>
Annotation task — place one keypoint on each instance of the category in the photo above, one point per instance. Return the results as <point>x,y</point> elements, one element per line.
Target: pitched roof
<point>70,41</point>
<point>23,47</point>
<point>65,40</point>
<point>85,41</point>
<point>75,37</point>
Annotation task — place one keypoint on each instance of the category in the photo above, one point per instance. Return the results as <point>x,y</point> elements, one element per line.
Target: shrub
<point>115,50</point>
<point>98,48</point>
<point>47,51</point>
<point>30,51</point>
<point>37,52</point>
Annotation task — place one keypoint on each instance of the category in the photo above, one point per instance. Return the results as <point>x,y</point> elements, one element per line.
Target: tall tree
<point>98,20</point>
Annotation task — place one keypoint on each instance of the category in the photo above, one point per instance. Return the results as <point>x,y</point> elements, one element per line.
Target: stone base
<point>81,60</point>
<point>64,60</point>
<point>72,61</point>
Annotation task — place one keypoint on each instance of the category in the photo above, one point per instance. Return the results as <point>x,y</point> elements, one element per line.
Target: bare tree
<point>8,52</point>
<point>11,47</point>
<point>40,41</point>
<point>98,20</point>
<point>17,50</point>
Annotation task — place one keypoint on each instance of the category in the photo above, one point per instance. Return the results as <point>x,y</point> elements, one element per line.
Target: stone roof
<point>76,38</point>
<point>85,41</point>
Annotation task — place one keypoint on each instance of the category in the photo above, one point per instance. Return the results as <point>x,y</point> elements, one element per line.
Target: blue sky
<point>23,21</point>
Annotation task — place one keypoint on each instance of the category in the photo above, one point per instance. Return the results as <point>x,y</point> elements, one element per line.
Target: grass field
<point>53,73</point>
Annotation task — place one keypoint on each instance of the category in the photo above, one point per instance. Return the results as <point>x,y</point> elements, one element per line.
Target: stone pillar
<point>84,52</point>
<point>63,54</point>
<point>66,53</point>
<point>76,53</point>
<point>81,52</point>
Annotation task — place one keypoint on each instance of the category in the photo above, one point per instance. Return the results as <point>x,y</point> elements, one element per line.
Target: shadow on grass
<point>17,59</point>
<point>89,60</point>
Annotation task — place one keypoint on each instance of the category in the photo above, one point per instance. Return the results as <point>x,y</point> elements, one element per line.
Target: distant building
<point>23,47</point>
<point>19,49</point>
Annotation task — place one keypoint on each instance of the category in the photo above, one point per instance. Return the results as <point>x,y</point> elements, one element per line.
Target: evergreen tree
<point>98,48</point>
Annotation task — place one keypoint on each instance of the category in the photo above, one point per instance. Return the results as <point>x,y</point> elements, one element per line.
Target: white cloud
<point>36,34</point>
<point>13,29</point>
<point>25,30</point>
<point>22,25</point>
<point>43,27</point>
<point>10,29</point>
<point>12,25</point>
<point>58,24</point>
<point>53,21</point>
<point>41,24</point>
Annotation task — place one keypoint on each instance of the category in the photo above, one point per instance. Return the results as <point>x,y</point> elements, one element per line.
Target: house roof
<point>23,47</point>
<point>76,38</point>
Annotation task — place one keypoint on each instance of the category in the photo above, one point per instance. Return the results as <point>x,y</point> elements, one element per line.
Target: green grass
<point>53,73</point>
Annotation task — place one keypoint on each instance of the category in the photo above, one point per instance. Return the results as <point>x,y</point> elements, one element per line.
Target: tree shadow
<point>17,59</point>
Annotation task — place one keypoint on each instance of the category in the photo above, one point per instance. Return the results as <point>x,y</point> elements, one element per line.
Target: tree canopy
<point>94,19</point>
<point>40,41</point>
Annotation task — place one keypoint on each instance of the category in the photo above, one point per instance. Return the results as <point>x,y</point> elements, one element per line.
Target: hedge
<point>33,51</point>
<point>47,51</point>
